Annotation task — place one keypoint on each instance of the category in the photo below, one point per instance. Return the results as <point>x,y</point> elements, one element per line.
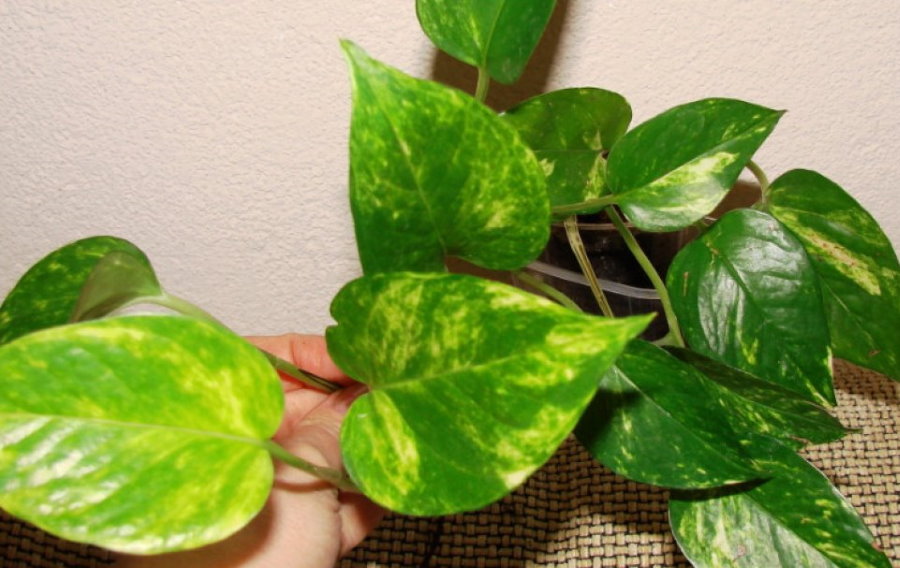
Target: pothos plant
<point>152,433</point>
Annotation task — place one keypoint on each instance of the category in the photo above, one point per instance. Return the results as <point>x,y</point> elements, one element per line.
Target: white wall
<point>213,134</point>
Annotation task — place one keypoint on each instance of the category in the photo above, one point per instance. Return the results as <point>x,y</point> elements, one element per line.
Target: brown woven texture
<point>574,512</point>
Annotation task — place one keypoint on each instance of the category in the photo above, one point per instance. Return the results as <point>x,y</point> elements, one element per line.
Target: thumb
<point>315,434</point>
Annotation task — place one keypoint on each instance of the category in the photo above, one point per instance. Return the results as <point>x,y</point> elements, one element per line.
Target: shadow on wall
<point>449,71</point>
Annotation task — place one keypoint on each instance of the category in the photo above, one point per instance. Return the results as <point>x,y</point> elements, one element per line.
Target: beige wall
<point>213,134</point>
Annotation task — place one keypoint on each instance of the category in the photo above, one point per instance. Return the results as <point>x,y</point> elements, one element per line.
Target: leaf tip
<point>640,322</point>
<point>347,45</point>
<point>352,52</point>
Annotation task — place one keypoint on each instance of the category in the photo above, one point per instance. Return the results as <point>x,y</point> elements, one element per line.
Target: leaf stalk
<point>483,85</point>
<point>762,180</point>
<point>571,226</point>
<point>547,290</point>
<point>597,203</point>
<point>674,336</point>
<point>333,476</point>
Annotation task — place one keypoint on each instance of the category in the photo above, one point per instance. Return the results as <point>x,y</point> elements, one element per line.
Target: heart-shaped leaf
<point>857,267</point>
<point>47,294</point>
<point>795,519</point>
<point>568,131</point>
<point>760,407</point>
<point>474,384</point>
<point>141,434</point>
<point>747,295</point>
<point>655,420</point>
<point>435,173</point>
<point>673,170</point>
<point>496,35</point>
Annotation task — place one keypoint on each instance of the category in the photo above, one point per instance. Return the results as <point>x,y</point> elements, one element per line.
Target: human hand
<point>306,523</point>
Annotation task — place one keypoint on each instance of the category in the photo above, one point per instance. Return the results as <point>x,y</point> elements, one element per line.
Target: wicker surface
<point>574,512</point>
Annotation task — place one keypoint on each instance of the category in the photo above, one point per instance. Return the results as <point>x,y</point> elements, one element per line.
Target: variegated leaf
<point>474,384</point>
<point>569,130</point>
<point>655,420</point>
<point>747,295</point>
<point>496,35</point>
<point>141,434</point>
<point>47,294</point>
<point>797,518</point>
<point>857,267</point>
<point>760,407</point>
<point>118,279</point>
<point>673,170</point>
<point>433,173</point>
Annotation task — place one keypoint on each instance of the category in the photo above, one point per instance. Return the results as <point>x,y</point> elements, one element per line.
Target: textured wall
<point>213,134</point>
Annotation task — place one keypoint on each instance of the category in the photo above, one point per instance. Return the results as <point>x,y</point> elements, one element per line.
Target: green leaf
<point>746,294</point>
<point>795,519</point>
<point>474,384</point>
<point>758,406</point>
<point>654,420</point>
<point>435,173</point>
<point>141,434</point>
<point>857,267</point>
<point>118,279</point>
<point>569,130</point>
<point>496,35</point>
<point>46,295</point>
<point>673,170</point>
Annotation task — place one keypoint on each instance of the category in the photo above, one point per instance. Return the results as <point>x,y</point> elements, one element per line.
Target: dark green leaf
<point>568,131</point>
<point>674,169</point>
<point>117,279</point>
<point>795,519</point>
<point>496,35</point>
<point>655,420</point>
<point>141,434</point>
<point>474,384</point>
<point>434,173</point>
<point>46,295</point>
<point>856,264</point>
<point>758,406</point>
<point>746,294</point>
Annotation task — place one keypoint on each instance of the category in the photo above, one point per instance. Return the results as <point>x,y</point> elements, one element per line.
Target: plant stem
<point>335,477</point>
<point>547,290</point>
<point>762,179</point>
<point>484,83</point>
<point>184,307</point>
<point>701,225</point>
<point>187,308</point>
<point>298,374</point>
<point>571,225</point>
<point>598,203</point>
<point>650,270</point>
